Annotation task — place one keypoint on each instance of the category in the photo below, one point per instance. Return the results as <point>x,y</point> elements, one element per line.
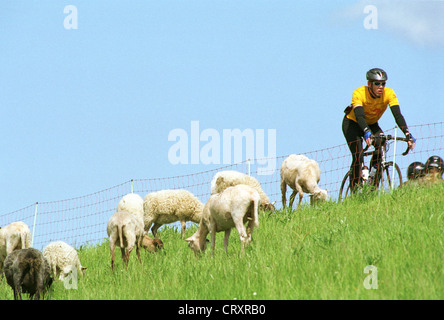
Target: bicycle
<point>382,177</point>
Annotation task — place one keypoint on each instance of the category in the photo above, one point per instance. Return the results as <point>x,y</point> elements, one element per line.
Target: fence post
<point>132,186</point>
<point>35,219</point>
<point>394,161</point>
<point>249,167</point>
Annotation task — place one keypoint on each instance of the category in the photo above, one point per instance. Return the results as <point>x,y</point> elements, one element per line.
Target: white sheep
<point>233,207</point>
<point>13,237</point>
<point>62,259</point>
<point>302,175</point>
<point>132,203</point>
<point>168,206</point>
<point>125,231</point>
<point>230,178</point>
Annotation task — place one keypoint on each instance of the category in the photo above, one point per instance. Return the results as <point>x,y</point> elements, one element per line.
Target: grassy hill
<point>315,253</point>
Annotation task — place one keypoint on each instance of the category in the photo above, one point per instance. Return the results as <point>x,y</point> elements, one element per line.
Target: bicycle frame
<point>382,150</point>
<point>383,165</point>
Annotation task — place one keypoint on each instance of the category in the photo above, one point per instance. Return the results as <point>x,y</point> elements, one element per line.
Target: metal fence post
<point>35,219</point>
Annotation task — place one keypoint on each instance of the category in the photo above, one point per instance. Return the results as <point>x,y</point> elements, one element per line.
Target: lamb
<point>230,178</point>
<point>231,208</point>
<point>132,203</point>
<point>27,271</point>
<point>168,206</point>
<point>12,237</point>
<point>62,259</point>
<point>125,231</point>
<point>302,175</point>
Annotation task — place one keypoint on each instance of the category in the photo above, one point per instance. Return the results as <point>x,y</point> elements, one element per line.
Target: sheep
<point>230,178</point>
<point>125,231</point>
<point>302,175</point>
<point>231,208</point>
<point>62,259</point>
<point>132,203</point>
<point>12,237</point>
<point>27,271</point>
<point>168,206</point>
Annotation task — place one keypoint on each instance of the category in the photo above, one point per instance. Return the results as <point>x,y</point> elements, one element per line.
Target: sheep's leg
<point>292,197</point>
<point>17,292</point>
<point>122,251</point>
<point>227,235</point>
<point>154,229</point>
<point>284,194</point>
<point>128,252</point>
<point>113,247</point>
<point>250,228</point>
<point>138,254</point>
<point>213,237</point>
<point>183,224</point>
<point>242,232</point>
<point>147,226</point>
<point>18,280</point>
<point>301,194</point>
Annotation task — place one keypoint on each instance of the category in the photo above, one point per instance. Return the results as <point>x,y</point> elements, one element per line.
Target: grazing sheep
<point>62,259</point>
<point>13,237</point>
<point>230,178</point>
<point>302,175</point>
<point>168,206</point>
<point>27,271</point>
<point>132,203</point>
<point>125,231</point>
<point>231,208</point>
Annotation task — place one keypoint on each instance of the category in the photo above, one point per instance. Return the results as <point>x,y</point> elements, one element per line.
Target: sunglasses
<point>379,84</point>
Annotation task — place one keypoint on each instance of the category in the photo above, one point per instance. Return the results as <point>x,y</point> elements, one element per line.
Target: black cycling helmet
<point>434,163</point>
<point>415,170</point>
<point>376,74</point>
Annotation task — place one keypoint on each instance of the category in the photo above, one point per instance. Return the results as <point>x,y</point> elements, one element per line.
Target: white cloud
<point>419,22</point>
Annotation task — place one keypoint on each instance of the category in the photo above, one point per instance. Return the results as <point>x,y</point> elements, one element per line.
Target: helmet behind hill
<point>415,170</point>
<point>434,164</point>
<point>376,74</point>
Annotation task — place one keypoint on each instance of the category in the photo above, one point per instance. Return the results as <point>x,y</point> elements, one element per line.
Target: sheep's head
<point>320,195</point>
<point>195,244</point>
<point>268,207</point>
<point>150,244</point>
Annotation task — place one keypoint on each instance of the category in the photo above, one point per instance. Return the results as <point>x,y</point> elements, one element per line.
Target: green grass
<point>315,253</point>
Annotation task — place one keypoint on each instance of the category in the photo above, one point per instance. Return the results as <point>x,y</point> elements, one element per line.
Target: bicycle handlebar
<point>389,137</point>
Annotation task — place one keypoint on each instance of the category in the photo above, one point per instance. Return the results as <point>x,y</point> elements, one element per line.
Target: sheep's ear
<point>190,239</point>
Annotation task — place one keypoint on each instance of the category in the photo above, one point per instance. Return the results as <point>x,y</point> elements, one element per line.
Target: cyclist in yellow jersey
<point>361,119</point>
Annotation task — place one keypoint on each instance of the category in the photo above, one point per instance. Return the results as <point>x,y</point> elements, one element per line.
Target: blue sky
<point>88,108</point>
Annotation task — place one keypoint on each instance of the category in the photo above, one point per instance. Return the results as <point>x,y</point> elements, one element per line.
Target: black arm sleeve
<point>359,114</point>
<point>399,118</point>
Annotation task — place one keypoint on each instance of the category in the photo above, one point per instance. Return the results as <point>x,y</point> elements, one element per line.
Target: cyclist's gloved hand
<point>412,140</point>
<point>367,135</point>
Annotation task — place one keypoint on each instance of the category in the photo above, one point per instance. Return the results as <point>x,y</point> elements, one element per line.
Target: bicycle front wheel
<point>391,177</point>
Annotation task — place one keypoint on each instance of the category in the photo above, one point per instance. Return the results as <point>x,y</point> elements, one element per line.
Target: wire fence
<point>82,220</point>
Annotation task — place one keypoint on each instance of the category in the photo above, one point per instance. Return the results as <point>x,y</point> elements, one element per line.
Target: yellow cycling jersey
<point>374,108</point>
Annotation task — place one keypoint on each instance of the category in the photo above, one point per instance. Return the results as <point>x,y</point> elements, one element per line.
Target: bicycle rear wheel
<point>344,191</point>
<point>390,179</point>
